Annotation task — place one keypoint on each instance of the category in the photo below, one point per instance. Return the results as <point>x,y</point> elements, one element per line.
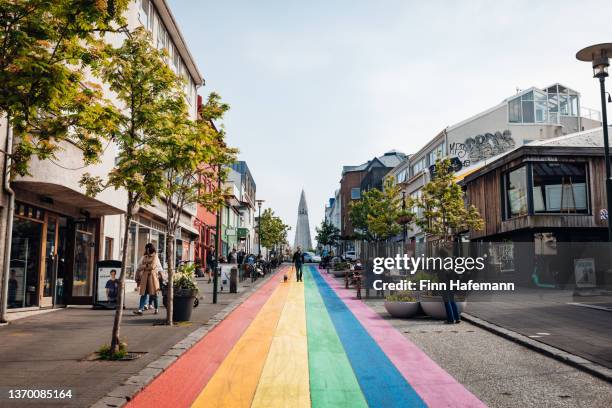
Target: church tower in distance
<point>302,229</point>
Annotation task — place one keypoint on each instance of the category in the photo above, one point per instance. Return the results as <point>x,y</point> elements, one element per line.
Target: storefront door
<point>55,261</point>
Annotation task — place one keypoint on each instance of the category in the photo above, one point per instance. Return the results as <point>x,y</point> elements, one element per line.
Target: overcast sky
<point>314,85</point>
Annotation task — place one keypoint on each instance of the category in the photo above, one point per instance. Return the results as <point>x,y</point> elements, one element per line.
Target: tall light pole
<point>217,238</point>
<point>259,203</point>
<point>599,55</point>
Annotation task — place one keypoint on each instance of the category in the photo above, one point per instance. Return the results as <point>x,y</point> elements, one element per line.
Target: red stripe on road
<point>183,381</point>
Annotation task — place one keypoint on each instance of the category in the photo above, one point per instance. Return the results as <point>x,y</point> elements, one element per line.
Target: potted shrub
<point>185,292</point>
<point>402,304</point>
<point>340,269</point>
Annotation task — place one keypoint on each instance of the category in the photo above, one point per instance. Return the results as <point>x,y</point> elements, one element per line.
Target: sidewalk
<point>52,350</point>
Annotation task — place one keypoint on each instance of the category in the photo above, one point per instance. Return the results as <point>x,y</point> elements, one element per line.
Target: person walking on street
<point>210,262</point>
<point>298,261</point>
<point>147,278</point>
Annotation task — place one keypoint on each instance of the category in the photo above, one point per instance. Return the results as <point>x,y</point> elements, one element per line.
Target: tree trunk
<point>170,257</point>
<point>120,299</point>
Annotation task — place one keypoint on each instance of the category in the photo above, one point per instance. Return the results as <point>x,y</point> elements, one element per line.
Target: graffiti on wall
<point>481,147</point>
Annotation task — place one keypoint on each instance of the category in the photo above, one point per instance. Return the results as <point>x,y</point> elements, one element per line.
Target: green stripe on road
<point>332,380</point>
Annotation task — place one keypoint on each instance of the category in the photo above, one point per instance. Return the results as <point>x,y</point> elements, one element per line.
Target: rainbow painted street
<point>310,344</point>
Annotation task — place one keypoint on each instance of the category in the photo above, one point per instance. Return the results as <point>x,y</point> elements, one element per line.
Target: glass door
<point>84,258</point>
<point>50,268</point>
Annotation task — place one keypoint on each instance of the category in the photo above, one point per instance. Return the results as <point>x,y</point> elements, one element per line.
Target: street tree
<point>193,157</point>
<point>375,216</point>
<point>46,48</point>
<point>444,212</point>
<point>327,234</point>
<point>273,231</point>
<point>152,98</point>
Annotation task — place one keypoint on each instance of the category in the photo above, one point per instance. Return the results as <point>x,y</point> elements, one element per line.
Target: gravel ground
<point>498,371</point>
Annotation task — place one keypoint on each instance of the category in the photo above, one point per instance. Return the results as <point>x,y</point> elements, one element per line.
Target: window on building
<point>401,176</point>
<point>560,188</point>
<point>536,106</point>
<point>143,13</point>
<point>416,195</point>
<point>418,166</point>
<point>437,153</point>
<point>355,193</point>
<point>516,192</point>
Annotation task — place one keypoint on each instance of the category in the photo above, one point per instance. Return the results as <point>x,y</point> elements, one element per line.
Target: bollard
<point>346,285</point>
<point>234,280</point>
<point>359,287</point>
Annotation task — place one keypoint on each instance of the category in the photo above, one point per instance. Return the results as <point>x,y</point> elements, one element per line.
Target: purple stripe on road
<point>435,386</point>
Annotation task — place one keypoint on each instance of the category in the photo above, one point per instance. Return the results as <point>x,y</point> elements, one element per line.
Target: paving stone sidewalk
<point>53,350</point>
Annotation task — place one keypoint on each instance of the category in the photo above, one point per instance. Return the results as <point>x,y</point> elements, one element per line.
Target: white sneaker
<point>146,307</point>
<point>156,311</point>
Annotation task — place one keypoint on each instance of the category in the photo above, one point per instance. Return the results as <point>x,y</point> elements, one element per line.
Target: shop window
<point>560,188</point>
<point>516,192</point>
<point>24,263</point>
<point>84,258</point>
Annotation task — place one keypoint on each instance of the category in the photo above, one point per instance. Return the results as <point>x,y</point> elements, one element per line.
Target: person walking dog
<point>298,261</point>
<point>147,278</point>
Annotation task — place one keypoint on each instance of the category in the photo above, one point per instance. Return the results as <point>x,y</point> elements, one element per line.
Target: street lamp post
<point>259,203</point>
<point>599,55</point>
<point>217,238</point>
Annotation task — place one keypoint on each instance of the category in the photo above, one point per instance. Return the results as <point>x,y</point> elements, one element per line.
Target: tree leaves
<point>44,53</point>
<point>272,229</point>
<point>375,216</point>
<point>445,214</point>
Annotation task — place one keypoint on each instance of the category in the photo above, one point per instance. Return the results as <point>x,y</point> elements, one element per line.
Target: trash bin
<point>234,280</point>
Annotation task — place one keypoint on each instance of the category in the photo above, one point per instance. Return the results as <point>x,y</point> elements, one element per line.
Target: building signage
<point>481,147</point>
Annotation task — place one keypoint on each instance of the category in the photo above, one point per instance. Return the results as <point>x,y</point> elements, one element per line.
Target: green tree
<point>327,234</point>
<point>445,214</point>
<point>45,49</point>
<point>272,229</point>
<point>152,99</point>
<point>375,216</point>
<point>193,154</point>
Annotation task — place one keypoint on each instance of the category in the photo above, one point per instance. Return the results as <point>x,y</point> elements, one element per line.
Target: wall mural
<point>482,147</point>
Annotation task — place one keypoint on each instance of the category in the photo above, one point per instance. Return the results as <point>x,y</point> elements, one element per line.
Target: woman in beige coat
<point>147,278</point>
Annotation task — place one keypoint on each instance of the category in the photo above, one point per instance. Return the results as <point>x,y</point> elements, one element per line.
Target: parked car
<point>350,255</point>
<point>311,257</point>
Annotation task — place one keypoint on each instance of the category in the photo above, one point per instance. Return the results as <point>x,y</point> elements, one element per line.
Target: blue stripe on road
<point>382,384</point>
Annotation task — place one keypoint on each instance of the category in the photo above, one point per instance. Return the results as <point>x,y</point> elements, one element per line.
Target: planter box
<point>401,309</point>
<point>340,274</point>
<point>433,306</point>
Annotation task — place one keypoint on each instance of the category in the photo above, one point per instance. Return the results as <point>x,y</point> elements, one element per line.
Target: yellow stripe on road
<point>284,380</point>
<point>235,382</point>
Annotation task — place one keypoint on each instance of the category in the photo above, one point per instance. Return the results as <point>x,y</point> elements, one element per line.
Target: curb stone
<point>124,393</point>
<point>573,360</point>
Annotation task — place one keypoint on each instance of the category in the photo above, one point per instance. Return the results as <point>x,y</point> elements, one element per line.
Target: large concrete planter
<point>401,309</point>
<point>433,306</point>
<point>340,274</point>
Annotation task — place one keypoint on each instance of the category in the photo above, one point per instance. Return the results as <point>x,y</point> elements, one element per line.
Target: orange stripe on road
<point>235,382</point>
